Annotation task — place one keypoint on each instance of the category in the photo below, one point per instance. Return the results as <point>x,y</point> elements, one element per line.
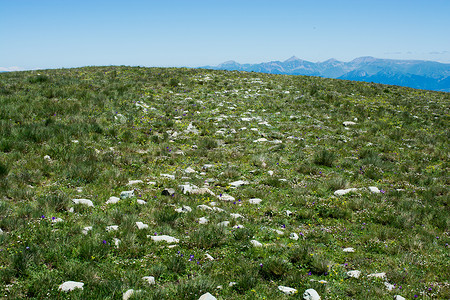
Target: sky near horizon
<point>173,33</point>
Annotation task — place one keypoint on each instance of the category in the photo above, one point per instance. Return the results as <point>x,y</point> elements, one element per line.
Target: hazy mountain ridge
<point>419,74</point>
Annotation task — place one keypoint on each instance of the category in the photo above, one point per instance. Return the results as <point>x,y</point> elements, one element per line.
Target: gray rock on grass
<point>126,194</point>
<point>70,286</point>
<point>287,290</point>
<point>207,296</point>
<point>168,192</point>
<point>86,202</point>
<point>311,294</point>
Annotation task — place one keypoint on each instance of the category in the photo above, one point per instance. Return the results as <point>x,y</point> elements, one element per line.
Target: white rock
<point>349,249</point>
<point>151,182</point>
<point>129,293</point>
<point>343,192</point>
<point>207,296</point>
<point>141,202</point>
<point>1,231</point>
<point>270,172</point>
<point>354,273</point>
<point>47,157</point>
<point>389,286</point>
<point>238,226</point>
<point>348,123</point>
<point>223,224</point>
<point>238,183</point>
<point>112,200</point>
<point>165,238</point>
<point>86,229</point>
<point>398,297</point>
<point>83,202</point>
<point>260,140</point>
<point>287,290</point>
<point>217,209</point>
<point>70,286</point>
<point>112,228</point>
<point>288,213</point>
<point>377,275</point>
<point>184,209</point>
<point>236,215</point>
<point>374,189</point>
<point>57,220</point>
<point>141,225</point>
<point>132,182</point>
<point>232,283</point>
<point>203,220</point>
<point>202,191</point>
<point>209,256</point>
<point>167,176</point>
<point>293,236</point>
<point>116,242</point>
<point>126,194</point>
<point>79,189</point>
<point>255,243</point>
<point>204,207</point>
<point>150,279</point>
<point>311,294</point>
<point>189,170</point>
<point>226,197</point>
<point>255,201</point>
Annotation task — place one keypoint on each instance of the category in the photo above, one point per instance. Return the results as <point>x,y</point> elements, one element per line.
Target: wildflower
<point>43,217</point>
<point>104,242</point>
<point>309,273</point>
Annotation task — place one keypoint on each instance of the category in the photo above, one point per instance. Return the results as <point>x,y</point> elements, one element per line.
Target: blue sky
<point>66,33</point>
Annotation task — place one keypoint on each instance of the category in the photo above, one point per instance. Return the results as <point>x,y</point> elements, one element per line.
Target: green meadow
<point>273,176</point>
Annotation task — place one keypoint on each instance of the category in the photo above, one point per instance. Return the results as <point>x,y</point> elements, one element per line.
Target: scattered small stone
<point>398,297</point>
<point>311,294</point>
<point>189,170</point>
<point>232,283</point>
<point>288,213</point>
<point>70,286</point>
<point>141,202</point>
<point>126,194</point>
<point>203,220</point>
<point>83,202</point>
<point>86,230</point>
<point>1,231</point>
<point>112,228</point>
<point>293,236</point>
<point>287,290</point>
<point>209,256</point>
<point>183,209</point>
<point>238,183</point>
<point>116,242</point>
<point>132,182</point>
<point>389,286</point>
<point>202,191</point>
<point>236,215</point>
<point>348,123</point>
<point>354,273</point>
<point>260,140</point>
<point>226,197</point>
<point>48,158</point>
<point>167,176</point>
<point>374,189</point>
<point>79,189</point>
<point>223,224</point>
<point>255,201</point>
<point>349,249</point>
<point>127,295</point>
<point>168,192</point>
<point>204,207</point>
<point>343,192</point>
<point>165,238</point>
<point>377,275</point>
<point>207,296</point>
<point>150,279</point>
<point>141,225</point>
<point>112,200</point>
<point>255,243</point>
<point>218,209</point>
<point>57,220</point>
<point>238,226</point>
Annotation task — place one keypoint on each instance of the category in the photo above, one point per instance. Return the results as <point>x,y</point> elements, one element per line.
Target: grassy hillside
<point>89,133</point>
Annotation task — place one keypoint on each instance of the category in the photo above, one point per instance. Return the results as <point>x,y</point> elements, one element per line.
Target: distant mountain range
<point>417,74</point>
